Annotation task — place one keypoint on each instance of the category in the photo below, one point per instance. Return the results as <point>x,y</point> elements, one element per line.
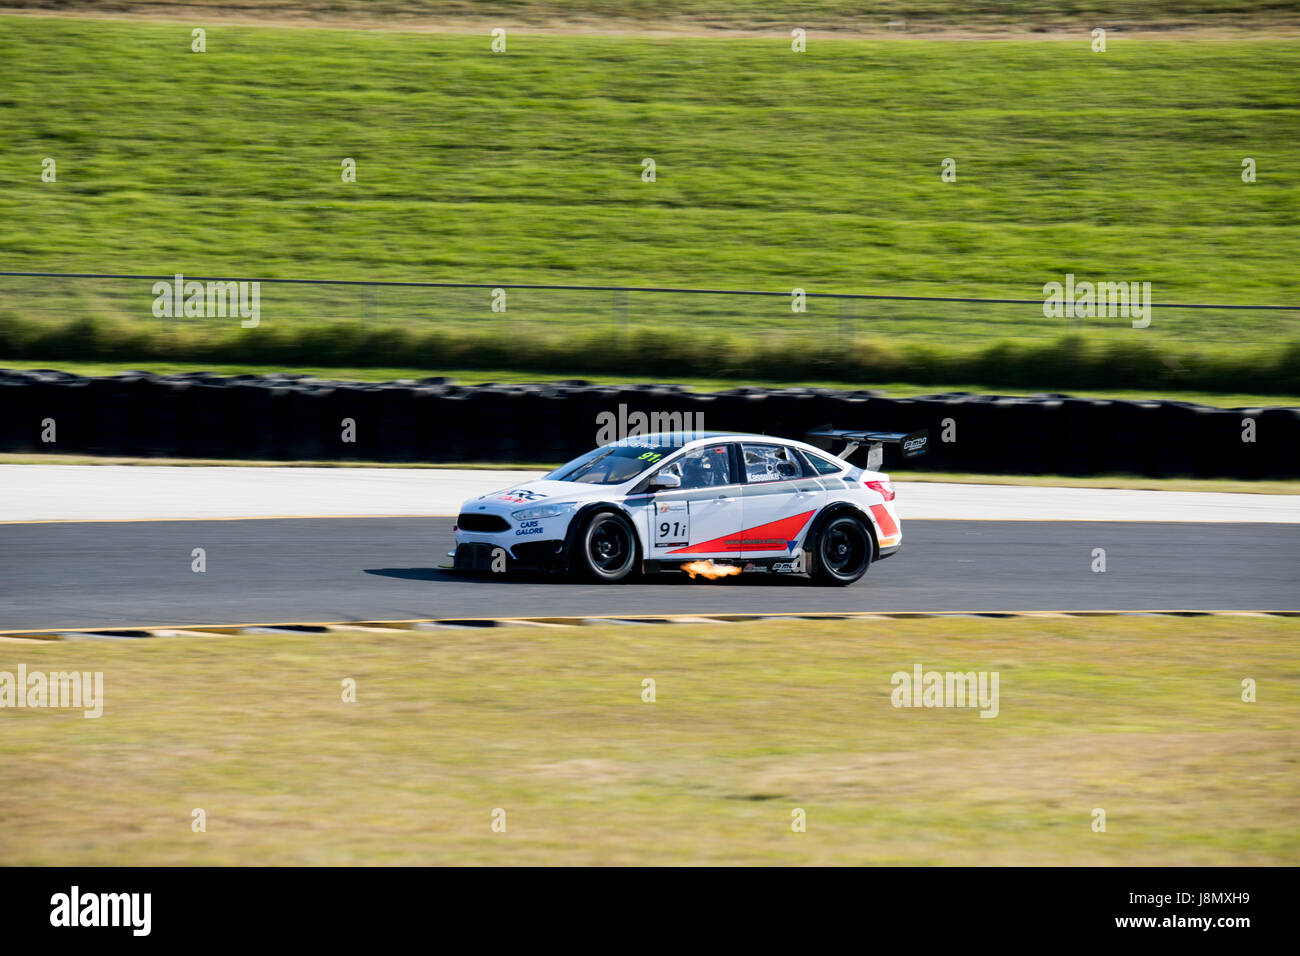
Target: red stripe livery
<point>773,536</point>
<point>887,526</point>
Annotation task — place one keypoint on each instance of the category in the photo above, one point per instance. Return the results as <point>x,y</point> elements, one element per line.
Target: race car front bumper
<point>480,555</point>
<point>535,542</point>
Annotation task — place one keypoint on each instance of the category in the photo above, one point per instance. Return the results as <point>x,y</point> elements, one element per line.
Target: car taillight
<point>884,488</point>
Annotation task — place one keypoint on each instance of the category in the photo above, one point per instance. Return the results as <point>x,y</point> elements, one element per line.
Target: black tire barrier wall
<point>293,417</point>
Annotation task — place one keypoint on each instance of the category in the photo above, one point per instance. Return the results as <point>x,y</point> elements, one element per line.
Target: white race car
<point>712,503</point>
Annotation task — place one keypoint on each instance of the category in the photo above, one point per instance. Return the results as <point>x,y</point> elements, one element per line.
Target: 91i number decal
<point>672,523</point>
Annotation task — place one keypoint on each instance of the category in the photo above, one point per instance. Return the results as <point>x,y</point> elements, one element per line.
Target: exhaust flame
<point>709,570</point>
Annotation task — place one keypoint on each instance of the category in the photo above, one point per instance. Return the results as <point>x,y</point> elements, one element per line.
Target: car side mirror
<point>665,480</point>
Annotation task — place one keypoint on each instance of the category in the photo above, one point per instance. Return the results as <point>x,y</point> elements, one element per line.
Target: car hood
<point>538,492</point>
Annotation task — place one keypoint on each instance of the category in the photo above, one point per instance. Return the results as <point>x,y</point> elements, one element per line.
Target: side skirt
<point>781,566</point>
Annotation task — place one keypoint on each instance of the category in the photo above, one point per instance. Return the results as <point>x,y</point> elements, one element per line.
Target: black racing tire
<point>843,550</point>
<point>605,550</point>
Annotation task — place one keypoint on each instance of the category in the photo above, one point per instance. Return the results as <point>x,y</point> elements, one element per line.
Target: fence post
<point>621,316</point>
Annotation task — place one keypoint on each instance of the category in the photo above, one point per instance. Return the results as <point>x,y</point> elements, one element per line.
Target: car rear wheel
<point>606,550</point>
<point>843,550</point>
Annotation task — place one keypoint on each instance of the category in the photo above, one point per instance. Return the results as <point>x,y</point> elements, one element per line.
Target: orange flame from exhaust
<point>709,570</point>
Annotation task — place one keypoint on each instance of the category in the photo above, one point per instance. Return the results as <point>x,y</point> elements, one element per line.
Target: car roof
<point>685,439</point>
<point>682,439</point>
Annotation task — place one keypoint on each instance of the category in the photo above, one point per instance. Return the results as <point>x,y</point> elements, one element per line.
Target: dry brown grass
<point>1139,716</point>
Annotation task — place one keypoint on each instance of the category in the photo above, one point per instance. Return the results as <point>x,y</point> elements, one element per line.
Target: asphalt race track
<point>123,574</point>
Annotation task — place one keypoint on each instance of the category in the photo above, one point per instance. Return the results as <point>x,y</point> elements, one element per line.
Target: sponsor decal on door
<point>672,524</point>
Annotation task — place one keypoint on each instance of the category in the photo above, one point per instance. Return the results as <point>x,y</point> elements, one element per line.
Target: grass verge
<point>710,15</point>
<point>699,383</point>
<point>775,170</point>
<point>1068,362</point>
<point>1131,482</point>
<point>1141,717</point>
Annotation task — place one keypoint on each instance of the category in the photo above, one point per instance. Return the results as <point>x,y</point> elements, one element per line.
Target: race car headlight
<point>543,511</point>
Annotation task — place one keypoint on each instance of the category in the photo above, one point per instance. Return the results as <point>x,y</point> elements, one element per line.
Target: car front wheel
<point>606,550</point>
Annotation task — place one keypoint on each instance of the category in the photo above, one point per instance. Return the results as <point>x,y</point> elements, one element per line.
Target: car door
<point>778,500</point>
<point>699,519</point>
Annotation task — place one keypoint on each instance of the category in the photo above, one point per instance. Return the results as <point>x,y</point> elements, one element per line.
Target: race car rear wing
<point>910,443</point>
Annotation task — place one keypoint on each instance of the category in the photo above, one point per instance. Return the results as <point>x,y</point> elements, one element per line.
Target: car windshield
<point>612,464</point>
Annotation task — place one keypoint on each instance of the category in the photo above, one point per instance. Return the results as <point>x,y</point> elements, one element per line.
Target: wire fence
<point>157,302</point>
